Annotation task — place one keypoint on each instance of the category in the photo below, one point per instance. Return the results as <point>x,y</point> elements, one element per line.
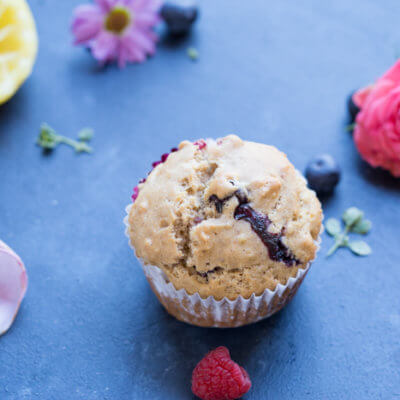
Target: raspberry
<point>217,377</point>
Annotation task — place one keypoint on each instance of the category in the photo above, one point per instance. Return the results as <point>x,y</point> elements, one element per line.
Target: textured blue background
<point>276,72</point>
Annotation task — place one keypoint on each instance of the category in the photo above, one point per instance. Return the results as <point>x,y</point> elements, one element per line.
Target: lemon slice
<point>18,46</point>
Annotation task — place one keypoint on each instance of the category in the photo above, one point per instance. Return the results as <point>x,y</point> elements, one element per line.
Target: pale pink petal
<point>13,285</point>
<point>85,31</point>
<point>87,11</point>
<point>106,5</point>
<point>146,20</point>
<point>144,5</point>
<point>360,96</point>
<point>87,23</point>
<point>142,40</point>
<point>105,46</point>
<point>129,51</point>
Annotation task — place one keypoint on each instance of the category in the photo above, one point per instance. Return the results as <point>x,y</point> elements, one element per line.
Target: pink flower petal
<point>13,285</point>
<point>130,53</point>
<point>105,46</point>
<point>144,5</point>
<point>146,20</point>
<point>142,40</point>
<point>86,11</point>
<point>106,5</point>
<point>88,22</point>
<point>360,96</point>
<point>393,74</point>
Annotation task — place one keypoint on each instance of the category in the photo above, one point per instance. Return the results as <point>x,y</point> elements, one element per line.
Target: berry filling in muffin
<point>259,222</point>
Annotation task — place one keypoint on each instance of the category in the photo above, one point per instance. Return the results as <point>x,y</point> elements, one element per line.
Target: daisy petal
<point>85,30</point>
<point>106,5</point>
<point>131,52</point>
<point>146,20</point>
<point>13,284</point>
<point>87,11</point>
<point>143,40</point>
<point>87,23</point>
<point>144,5</point>
<point>105,46</point>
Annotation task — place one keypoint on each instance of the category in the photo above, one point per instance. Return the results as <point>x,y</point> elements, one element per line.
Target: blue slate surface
<point>276,72</point>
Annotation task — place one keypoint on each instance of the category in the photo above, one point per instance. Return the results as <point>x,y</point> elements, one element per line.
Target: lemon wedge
<point>18,46</point>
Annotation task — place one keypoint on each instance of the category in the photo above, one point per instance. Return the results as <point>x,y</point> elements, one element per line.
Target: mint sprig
<point>354,221</point>
<point>49,139</point>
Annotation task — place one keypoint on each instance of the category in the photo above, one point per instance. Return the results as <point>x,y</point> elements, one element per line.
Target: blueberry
<point>352,107</point>
<point>323,174</point>
<point>179,16</point>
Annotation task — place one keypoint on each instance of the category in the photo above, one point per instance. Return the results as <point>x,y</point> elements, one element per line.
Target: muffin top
<point>225,218</point>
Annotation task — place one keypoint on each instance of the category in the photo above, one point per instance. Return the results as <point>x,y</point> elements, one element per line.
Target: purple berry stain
<point>259,223</point>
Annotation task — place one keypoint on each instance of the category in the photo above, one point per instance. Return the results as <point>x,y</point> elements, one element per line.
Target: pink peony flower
<point>377,131</point>
<point>119,30</point>
<point>13,284</point>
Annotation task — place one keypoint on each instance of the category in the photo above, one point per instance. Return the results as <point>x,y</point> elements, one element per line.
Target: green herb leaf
<point>192,53</point>
<point>350,127</point>
<point>333,227</point>
<point>82,147</point>
<point>86,134</point>
<point>48,139</point>
<point>362,226</point>
<point>351,216</point>
<point>360,248</point>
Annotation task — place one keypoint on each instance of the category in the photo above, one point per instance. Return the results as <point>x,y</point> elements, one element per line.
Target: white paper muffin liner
<point>210,312</point>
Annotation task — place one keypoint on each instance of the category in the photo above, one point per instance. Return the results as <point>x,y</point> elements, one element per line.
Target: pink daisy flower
<point>120,30</point>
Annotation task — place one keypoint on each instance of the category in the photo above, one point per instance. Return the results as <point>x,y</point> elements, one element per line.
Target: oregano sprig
<point>355,222</point>
<point>49,139</point>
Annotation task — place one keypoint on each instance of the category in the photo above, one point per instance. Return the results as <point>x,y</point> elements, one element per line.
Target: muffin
<point>225,230</point>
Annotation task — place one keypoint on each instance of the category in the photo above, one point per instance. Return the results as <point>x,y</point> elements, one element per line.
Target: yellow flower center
<point>117,20</point>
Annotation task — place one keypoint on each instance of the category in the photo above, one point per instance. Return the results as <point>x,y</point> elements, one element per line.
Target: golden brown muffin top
<point>225,218</point>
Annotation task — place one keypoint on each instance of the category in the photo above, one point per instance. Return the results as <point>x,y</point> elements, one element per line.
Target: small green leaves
<point>192,53</point>
<point>354,222</point>
<point>333,227</point>
<point>360,248</point>
<point>362,227</point>
<point>351,216</point>
<point>48,139</point>
<point>86,134</point>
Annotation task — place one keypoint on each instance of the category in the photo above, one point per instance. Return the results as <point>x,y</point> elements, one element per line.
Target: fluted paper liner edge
<point>224,313</point>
